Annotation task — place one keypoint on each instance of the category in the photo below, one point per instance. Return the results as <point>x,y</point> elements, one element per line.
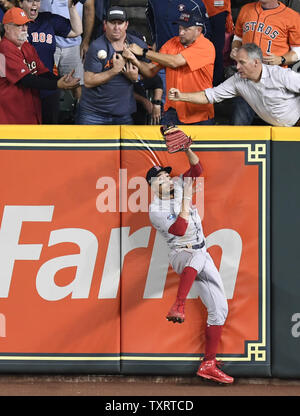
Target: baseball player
<point>172,214</point>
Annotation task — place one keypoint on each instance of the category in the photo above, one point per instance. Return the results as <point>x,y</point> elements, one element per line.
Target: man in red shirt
<point>22,73</point>
<point>189,61</point>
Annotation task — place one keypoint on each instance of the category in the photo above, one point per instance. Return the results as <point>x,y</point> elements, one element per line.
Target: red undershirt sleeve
<point>194,171</point>
<point>178,227</point>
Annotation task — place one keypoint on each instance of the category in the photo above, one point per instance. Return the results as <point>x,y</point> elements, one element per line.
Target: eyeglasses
<point>31,1</point>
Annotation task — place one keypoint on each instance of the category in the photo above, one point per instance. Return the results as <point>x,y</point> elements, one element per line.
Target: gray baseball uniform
<point>162,214</point>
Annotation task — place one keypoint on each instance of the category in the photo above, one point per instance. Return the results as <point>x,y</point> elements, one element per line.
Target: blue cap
<point>155,170</point>
<point>116,13</point>
<point>188,19</point>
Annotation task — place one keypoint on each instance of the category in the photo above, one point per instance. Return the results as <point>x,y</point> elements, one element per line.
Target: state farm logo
<point>11,250</point>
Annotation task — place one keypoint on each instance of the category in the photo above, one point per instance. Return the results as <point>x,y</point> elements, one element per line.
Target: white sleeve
<point>290,79</point>
<point>223,91</point>
<point>296,49</point>
<point>235,37</point>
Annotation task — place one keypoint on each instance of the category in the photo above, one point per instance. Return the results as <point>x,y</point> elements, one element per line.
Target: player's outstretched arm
<point>186,198</point>
<point>192,157</point>
<point>179,227</point>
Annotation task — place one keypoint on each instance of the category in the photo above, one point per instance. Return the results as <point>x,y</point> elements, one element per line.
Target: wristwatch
<point>157,102</point>
<point>283,60</point>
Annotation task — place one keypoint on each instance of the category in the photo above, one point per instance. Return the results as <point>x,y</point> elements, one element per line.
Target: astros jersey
<point>274,31</point>
<point>196,75</point>
<point>19,105</point>
<point>41,34</point>
<point>61,8</point>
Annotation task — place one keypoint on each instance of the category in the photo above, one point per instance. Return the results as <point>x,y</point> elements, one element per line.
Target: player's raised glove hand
<point>175,139</point>
<point>188,183</point>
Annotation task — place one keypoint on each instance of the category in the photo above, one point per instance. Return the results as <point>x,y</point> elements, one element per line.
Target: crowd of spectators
<point>115,75</point>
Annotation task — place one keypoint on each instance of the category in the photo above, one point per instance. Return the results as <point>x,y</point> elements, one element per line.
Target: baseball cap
<point>188,19</point>
<point>15,15</point>
<point>116,13</point>
<point>155,170</point>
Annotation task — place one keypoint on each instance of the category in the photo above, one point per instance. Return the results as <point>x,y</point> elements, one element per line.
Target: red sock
<point>187,278</point>
<point>212,338</point>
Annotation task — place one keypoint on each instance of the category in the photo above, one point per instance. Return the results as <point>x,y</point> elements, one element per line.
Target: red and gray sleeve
<point>179,227</point>
<point>194,171</point>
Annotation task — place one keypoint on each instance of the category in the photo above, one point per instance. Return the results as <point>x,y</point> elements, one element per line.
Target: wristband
<point>187,197</point>
<point>145,50</point>
<point>156,102</point>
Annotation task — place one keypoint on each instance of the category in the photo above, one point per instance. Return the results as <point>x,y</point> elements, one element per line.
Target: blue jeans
<point>170,117</point>
<point>88,118</point>
<point>242,114</point>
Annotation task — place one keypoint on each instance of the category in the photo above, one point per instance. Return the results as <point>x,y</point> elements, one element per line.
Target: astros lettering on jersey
<point>275,31</point>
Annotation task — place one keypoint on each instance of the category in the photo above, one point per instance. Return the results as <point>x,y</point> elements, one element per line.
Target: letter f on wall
<point>10,249</point>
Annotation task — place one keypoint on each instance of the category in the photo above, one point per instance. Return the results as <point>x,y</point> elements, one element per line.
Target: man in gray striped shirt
<point>271,91</point>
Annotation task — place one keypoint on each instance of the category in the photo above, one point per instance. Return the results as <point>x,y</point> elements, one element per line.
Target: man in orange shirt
<point>273,27</point>
<point>189,61</point>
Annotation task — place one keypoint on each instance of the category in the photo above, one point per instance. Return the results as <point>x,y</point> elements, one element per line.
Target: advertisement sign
<point>233,204</point>
<point>85,283</point>
<point>55,248</point>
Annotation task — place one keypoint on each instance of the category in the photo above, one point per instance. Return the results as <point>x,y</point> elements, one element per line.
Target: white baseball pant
<point>208,278</point>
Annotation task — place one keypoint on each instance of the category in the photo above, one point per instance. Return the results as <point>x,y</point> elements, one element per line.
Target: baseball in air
<point>102,54</point>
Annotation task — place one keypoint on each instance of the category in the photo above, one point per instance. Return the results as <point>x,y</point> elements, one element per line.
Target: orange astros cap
<point>15,15</point>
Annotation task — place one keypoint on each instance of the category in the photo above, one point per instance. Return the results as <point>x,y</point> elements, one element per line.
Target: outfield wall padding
<point>85,283</point>
<point>285,201</point>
